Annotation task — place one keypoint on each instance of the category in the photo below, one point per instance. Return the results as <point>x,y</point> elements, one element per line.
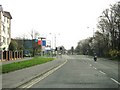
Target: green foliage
<point>24,64</point>
<point>13,45</point>
<point>106,40</point>
<point>114,53</point>
<point>84,47</point>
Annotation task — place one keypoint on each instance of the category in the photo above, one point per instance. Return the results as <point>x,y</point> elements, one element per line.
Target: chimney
<point>1,9</point>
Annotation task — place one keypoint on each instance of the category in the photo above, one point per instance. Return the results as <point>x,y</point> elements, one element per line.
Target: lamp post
<point>93,40</point>
<point>55,39</point>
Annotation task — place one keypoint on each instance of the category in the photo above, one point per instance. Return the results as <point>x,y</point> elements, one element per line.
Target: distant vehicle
<point>60,53</point>
<point>27,53</point>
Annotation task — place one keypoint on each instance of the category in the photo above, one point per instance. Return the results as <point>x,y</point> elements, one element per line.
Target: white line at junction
<point>115,81</point>
<point>102,72</point>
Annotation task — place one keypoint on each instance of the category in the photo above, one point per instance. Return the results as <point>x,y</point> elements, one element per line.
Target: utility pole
<point>33,53</point>
<point>55,40</point>
<point>93,42</point>
<point>56,35</point>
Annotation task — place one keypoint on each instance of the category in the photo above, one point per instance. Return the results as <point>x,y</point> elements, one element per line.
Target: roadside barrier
<point>10,55</point>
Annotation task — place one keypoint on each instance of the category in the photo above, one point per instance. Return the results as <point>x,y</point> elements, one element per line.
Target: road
<point>83,72</point>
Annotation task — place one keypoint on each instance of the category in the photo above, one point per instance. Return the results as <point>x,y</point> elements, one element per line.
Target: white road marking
<point>90,65</point>
<point>115,81</point>
<point>30,84</point>
<point>102,72</point>
<point>95,68</point>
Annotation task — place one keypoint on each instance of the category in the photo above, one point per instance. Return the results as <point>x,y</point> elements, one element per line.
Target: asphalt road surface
<point>83,72</point>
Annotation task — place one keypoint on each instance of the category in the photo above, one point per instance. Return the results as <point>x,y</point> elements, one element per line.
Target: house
<point>5,29</point>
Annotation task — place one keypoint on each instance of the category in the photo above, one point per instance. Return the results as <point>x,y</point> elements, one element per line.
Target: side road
<point>16,78</point>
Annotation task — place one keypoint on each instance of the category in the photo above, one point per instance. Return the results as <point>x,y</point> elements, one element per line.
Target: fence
<point>10,55</point>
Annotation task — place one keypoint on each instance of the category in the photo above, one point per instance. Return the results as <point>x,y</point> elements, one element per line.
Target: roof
<point>7,14</point>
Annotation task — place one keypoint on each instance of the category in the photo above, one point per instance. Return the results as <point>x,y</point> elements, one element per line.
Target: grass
<point>24,64</point>
<point>115,58</point>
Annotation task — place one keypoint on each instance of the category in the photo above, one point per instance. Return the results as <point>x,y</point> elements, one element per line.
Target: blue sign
<point>36,40</point>
<point>43,42</point>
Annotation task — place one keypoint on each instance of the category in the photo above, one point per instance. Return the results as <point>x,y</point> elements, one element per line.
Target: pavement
<point>16,78</point>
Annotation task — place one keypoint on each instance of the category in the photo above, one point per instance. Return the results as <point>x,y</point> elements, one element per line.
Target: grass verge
<point>24,64</point>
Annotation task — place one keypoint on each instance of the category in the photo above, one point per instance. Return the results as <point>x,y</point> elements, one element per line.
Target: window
<point>8,30</point>
<point>4,19</point>
<point>7,20</point>
<point>0,40</point>
<point>7,40</point>
<point>4,40</point>
<point>3,28</point>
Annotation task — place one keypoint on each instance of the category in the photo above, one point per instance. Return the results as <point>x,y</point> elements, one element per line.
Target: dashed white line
<point>115,81</point>
<point>90,65</point>
<point>105,73</point>
<point>95,68</point>
<point>102,72</point>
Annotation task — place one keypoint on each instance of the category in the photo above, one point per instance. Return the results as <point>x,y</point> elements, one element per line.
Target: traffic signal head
<point>60,48</point>
<point>56,49</point>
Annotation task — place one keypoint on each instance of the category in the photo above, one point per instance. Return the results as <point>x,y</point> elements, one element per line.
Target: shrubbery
<point>114,53</point>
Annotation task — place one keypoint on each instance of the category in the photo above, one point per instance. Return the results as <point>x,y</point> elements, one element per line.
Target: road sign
<point>43,42</point>
<point>36,40</point>
<point>39,42</point>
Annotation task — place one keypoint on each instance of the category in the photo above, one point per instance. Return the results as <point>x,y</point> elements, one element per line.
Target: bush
<point>114,53</point>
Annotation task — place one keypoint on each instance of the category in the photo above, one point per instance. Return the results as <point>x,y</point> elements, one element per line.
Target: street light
<point>55,39</point>
<point>93,40</point>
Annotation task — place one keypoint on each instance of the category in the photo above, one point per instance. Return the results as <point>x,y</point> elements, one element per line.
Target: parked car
<point>27,55</point>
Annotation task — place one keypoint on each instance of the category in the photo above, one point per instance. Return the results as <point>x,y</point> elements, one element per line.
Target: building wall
<point>5,31</point>
<point>1,14</point>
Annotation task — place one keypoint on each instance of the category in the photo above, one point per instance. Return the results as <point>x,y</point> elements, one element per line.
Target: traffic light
<point>60,48</point>
<point>56,49</point>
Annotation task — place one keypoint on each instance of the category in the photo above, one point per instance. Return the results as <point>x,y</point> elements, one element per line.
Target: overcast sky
<point>67,19</point>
